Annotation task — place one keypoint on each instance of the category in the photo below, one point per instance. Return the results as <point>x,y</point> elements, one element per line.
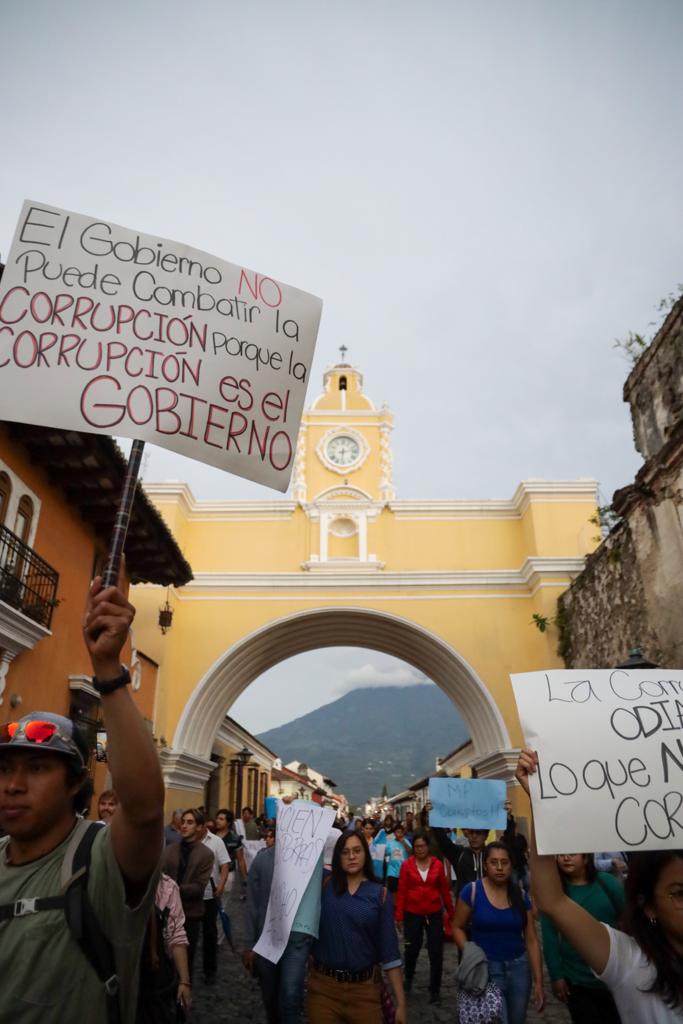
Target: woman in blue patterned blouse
<point>357,940</point>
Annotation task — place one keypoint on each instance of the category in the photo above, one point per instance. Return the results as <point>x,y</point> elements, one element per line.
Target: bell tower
<point>343,468</point>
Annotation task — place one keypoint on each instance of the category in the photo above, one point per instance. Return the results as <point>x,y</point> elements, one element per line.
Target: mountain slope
<point>372,737</point>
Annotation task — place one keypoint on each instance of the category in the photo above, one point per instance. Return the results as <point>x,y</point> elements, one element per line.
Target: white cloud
<point>369,674</point>
<point>307,681</point>
<point>376,675</point>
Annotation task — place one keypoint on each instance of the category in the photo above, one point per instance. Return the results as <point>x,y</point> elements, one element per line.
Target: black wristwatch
<point>105,686</point>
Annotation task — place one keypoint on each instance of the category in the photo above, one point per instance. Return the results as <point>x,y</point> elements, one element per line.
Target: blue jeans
<point>513,978</point>
<point>282,984</point>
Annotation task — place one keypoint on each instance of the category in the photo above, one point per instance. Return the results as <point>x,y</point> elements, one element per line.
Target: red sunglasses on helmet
<point>36,731</point>
<point>53,733</point>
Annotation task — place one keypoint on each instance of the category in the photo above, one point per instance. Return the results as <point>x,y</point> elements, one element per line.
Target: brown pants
<point>343,1002</point>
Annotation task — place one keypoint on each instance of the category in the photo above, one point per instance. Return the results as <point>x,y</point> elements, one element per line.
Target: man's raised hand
<point>106,623</point>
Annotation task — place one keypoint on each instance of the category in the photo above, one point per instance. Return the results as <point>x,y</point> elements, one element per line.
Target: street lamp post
<point>243,758</point>
<point>636,660</point>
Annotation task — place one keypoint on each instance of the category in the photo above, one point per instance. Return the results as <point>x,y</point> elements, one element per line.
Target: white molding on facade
<point>298,632</point>
<point>343,567</point>
<point>500,764</point>
<point>182,769</point>
<point>553,491</point>
<point>447,510</point>
<point>345,492</point>
<point>235,737</point>
<point>462,758</point>
<point>17,631</point>
<point>171,492</point>
<point>83,684</point>
<point>19,490</point>
<point>316,417</point>
<point>6,659</point>
<point>242,511</point>
<point>336,521</point>
<point>528,492</point>
<point>306,596</point>
<point>299,492</point>
<point>344,369</point>
<point>386,458</point>
<point>536,567</point>
<point>175,493</point>
<point>352,507</point>
<point>354,573</point>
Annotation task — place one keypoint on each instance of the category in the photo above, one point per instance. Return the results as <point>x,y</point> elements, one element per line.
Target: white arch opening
<point>305,631</point>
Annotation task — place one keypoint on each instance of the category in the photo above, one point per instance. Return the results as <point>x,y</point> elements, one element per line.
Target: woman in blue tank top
<point>500,922</point>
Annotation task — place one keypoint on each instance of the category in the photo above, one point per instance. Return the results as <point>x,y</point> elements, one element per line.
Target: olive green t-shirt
<point>45,978</point>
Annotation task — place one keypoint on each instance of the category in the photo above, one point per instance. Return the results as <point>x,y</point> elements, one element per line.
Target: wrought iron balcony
<point>27,582</point>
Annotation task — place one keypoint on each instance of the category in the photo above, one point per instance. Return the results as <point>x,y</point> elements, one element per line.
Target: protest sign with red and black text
<point>108,330</point>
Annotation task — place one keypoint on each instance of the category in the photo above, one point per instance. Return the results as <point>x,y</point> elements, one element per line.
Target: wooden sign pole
<point>118,537</point>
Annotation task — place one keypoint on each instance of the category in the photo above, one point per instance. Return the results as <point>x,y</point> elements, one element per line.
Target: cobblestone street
<point>236,997</point>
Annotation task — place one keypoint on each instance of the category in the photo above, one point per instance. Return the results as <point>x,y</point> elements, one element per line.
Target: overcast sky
<point>484,195</point>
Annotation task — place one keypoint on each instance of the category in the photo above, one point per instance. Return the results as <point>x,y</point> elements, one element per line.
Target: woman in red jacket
<point>423,894</point>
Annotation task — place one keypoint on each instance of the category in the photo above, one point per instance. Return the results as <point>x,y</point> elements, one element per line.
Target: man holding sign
<point>50,969</point>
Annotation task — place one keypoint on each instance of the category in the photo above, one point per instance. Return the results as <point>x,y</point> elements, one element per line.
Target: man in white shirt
<point>212,894</point>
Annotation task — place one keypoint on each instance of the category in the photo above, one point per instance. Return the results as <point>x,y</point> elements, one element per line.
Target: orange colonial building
<point>58,496</point>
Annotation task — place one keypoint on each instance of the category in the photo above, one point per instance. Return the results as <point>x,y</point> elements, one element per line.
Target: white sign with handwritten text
<point>610,753</point>
<point>302,828</point>
<point>107,330</point>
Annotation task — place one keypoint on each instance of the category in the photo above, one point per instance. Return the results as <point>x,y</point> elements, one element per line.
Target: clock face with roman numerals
<point>342,450</point>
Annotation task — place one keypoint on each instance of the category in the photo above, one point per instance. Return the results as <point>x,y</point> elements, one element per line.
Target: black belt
<point>343,975</point>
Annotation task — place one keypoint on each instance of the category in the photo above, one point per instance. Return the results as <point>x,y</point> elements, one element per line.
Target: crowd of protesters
<point>101,921</point>
<point>491,895</point>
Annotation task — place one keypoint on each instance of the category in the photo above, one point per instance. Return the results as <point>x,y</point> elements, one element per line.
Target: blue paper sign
<point>467,803</point>
<point>271,806</point>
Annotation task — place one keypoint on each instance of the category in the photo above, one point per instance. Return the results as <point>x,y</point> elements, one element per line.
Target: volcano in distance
<point>373,737</point>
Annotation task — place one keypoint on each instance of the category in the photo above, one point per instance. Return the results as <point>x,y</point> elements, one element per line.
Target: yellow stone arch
<point>449,586</point>
<point>294,634</point>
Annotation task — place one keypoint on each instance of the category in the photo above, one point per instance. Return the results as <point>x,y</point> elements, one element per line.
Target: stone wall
<point>630,593</point>
<point>603,615</point>
<point>654,388</point>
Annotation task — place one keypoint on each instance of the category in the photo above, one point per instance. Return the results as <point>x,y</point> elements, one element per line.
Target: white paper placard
<point>610,751</point>
<point>301,832</point>
<point>252,847</point>
<point>107,330</point>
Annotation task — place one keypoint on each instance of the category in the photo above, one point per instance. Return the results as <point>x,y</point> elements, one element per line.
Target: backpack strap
<point>82,920</point>
<point>20,908</point>
<point>81,828</point>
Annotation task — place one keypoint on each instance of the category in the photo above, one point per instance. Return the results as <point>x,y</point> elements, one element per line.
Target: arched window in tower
<point>5,495</point>
<point>22,527</point>
<point>342,383</point>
